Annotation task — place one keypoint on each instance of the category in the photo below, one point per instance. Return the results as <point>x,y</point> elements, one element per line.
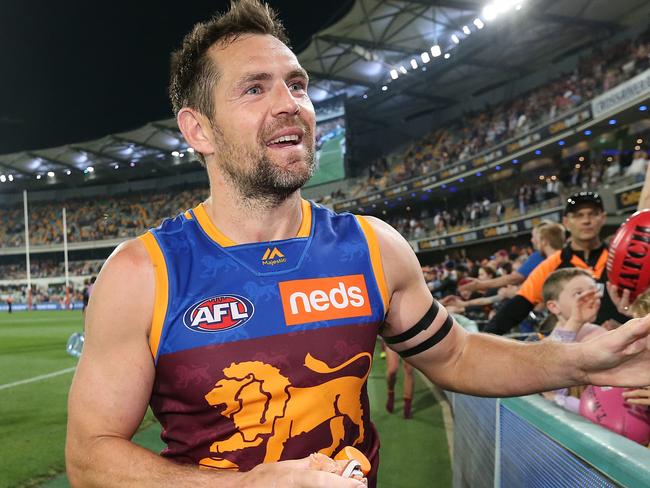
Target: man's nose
<point>284,103</point>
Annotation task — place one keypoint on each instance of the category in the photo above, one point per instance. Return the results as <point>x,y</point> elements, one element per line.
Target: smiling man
<point>248,323</point>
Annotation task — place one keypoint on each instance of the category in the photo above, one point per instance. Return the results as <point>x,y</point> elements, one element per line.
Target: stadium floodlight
<point>455,39</point>
<point>425,57</point>
<point>190,150</point>
<point>393,74</point>
<point>637,148</point>
<point>639,141</point>
<point>447,56</point>
<point>68,172</point>
<point>116,166</point>
<point>587,132</point>
<point>90,169</point>
<point>3,178</point>
<point>384,88</point>
<point>50,174</point>
<point>175,154</point>
<point>505,5</point>
<point>489,12</point>
<point>478,23</point>
<point>132,164</point>
<point>611,121</point>
<point>181,155</point>
<point>38,177</point>
<point>518,6</point>
<point>436,51</point>
<point>643,108</point>
<point>466,30</point>
<point>414,64</point>
<point>365,96</point>
<point>11,177</point>
<point>402,70</point>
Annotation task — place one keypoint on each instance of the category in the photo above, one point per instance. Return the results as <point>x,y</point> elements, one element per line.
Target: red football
<point>628,266</point>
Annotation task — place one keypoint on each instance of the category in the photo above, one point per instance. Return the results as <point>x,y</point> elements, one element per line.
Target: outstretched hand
<point>621,300</point>
<point>472,284</point>
<point>619,357</point>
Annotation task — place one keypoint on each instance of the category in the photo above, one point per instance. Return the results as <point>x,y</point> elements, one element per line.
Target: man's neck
<point>245,220</point>
<point>585,246</point>
<point>548,250</point>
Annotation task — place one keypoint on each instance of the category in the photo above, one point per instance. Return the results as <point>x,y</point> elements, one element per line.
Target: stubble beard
<point>256,178</point>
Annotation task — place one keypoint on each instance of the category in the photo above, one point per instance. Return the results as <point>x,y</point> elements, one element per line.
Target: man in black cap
<point>584,217</point>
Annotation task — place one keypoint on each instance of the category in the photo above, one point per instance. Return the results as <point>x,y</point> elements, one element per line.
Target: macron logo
<point>320,299</point>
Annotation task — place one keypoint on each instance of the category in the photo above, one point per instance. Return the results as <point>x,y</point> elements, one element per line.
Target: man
<point>250,369</point>
<point>547,238</point>
<point>584,217</point>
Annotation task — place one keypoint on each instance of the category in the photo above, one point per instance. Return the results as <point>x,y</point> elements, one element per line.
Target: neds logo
<point>218,313</point>
<point>319,299</point>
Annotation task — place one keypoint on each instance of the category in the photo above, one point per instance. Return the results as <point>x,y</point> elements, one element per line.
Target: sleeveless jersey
<point>262,350</point>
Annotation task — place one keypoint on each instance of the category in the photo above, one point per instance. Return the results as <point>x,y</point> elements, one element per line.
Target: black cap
<point>583,198</point>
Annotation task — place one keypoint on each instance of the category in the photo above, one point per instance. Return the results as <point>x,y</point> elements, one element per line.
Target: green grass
<point>33,415</point>
<point>330,167</point>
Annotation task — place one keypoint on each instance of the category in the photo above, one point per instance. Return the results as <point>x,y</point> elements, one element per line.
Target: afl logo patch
<point>218,313</point>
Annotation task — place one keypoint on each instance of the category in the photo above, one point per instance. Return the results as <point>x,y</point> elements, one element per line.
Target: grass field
<point>331,162</point>
<point>35,375</point>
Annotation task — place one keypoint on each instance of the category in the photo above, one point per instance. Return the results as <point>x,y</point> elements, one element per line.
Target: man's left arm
<point>424,333</point>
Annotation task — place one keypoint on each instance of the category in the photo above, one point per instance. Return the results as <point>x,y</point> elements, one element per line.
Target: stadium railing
<point>529,441</point>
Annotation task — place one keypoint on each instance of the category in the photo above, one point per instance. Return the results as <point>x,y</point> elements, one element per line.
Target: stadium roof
<point>355,57</point>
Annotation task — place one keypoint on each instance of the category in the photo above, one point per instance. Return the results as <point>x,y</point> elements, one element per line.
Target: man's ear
<point>196,129</point>
<point>553,307</point>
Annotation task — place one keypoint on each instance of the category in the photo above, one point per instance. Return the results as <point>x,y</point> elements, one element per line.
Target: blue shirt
<point>530,264</point>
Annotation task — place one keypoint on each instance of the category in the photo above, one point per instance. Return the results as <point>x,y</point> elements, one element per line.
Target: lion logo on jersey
<point>265,407</point>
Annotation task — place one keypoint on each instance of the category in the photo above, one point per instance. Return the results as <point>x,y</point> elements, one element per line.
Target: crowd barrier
<point>530,442</point>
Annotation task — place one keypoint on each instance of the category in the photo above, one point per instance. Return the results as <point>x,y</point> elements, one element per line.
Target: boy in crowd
<point>572,296</point>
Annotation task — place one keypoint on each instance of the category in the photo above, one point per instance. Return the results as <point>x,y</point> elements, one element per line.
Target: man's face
<point>263,120</point>
<point>534,239</point>
<point>570,293</point>
<point>585,222</point>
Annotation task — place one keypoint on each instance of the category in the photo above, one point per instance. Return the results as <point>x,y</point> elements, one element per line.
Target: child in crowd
<point>572,296</point>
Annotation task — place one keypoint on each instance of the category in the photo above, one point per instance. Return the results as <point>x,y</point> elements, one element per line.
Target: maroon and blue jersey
<point>262,350</point>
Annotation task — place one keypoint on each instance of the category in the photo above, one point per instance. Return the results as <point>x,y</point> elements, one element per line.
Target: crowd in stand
<point>477,132</point>
<point>98,219</point>
<point>45,268</point>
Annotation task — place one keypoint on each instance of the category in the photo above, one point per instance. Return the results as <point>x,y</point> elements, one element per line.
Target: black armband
<point>422,325</point>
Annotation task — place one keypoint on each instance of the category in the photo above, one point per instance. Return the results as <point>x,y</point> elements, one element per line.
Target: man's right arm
<point>111,390</point>
<point>514,278</point>
<point>529,295</point>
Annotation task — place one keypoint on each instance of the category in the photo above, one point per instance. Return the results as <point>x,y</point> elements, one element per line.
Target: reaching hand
<point>450,300</point>
<point>622,300</point>
<point>619,357</point>
<point>638,397</point>
<point>473,285</point>
<point>584,309</point>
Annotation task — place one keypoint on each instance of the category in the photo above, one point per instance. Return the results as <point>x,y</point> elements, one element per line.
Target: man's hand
<point>619,357</point>
<point>638,397</point>
<point>621,301</point>
<point>473,285</point>
<point>310,472</point>
<point>584,310</point>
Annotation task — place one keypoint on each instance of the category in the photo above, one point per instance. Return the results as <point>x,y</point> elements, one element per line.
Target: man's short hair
<point>193,73</point>
<point>557,280</point>
<point>553,233</point>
